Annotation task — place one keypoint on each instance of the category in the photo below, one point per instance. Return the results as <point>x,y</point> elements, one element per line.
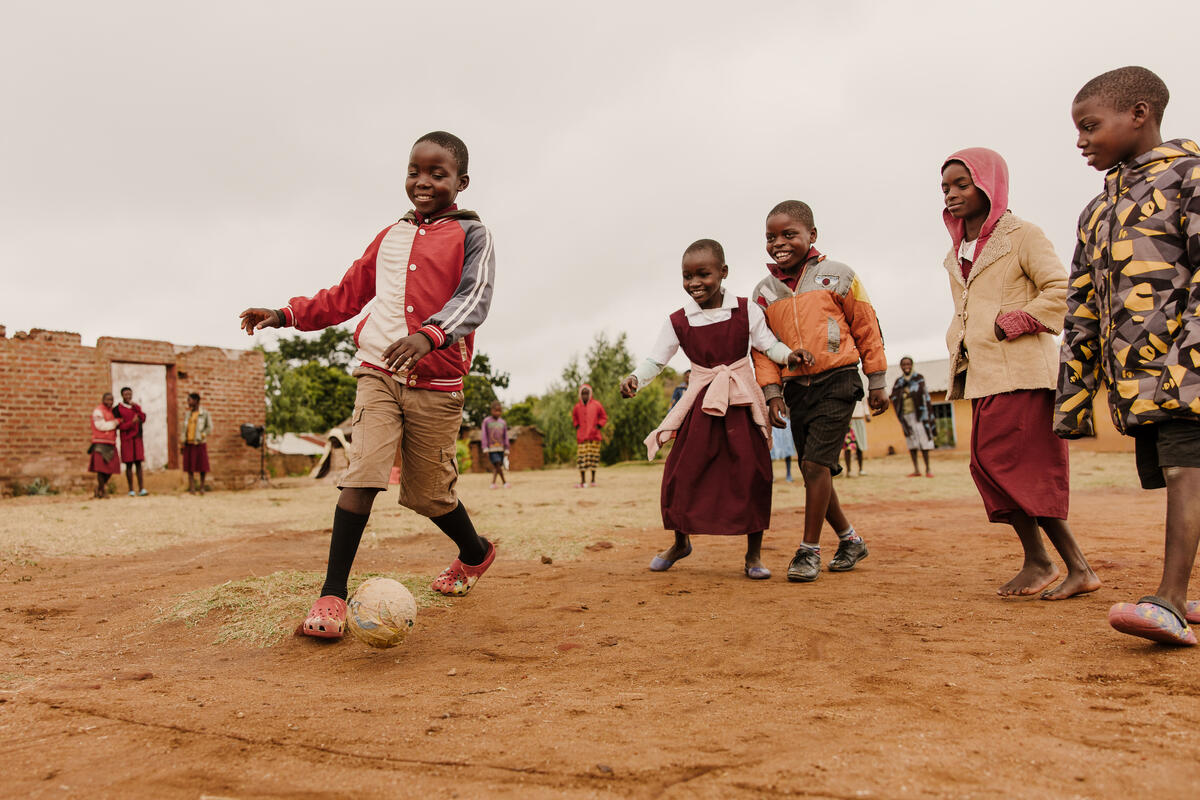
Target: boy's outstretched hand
<point>254,319</point>
<point>799,358</point>
<point>878,401</point>
<point>777,412</point>
<point>629,386</point>
<point>405,353</point>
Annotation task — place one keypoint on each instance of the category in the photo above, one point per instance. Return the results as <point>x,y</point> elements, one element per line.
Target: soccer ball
<point>381,612</point>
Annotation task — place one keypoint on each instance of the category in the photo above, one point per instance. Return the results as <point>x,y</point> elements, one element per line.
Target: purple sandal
<point>1152,618</point>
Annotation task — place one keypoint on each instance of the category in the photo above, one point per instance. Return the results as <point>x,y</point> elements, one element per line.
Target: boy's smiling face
<point>1108,137</point>
<point>433,182</point>
<point>702,276</point>
<point>788,242</point>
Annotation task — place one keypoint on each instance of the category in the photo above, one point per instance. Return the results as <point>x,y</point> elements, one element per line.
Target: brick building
<point>524,450</point>
<point>50,382</point>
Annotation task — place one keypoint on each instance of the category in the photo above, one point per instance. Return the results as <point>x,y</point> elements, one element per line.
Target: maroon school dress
<point>132,417</point>
<point>717,478</point>
<point>1016,460</point>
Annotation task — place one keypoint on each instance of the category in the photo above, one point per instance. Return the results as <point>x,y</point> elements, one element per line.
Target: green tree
<point>521,413</point>
<point>629,421</point>
<point>479,389</point>
<point>307,384</point>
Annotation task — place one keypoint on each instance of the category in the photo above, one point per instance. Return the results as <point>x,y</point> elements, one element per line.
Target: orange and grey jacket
<point>828,314</point>
<point>1133,299</point>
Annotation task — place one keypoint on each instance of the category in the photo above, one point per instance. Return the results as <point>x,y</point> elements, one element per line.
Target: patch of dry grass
<point>263,610</point>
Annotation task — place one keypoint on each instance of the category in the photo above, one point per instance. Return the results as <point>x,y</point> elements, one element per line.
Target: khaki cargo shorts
<point>423,424</point>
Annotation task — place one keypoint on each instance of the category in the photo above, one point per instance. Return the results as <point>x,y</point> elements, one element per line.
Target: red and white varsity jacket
<point>428,275</point>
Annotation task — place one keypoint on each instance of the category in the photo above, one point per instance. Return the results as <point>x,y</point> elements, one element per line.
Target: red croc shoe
<point>326,619</point>
<point>458,578</point>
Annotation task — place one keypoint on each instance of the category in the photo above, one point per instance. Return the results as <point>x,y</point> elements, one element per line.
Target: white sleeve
<point>761,337</point>
<point>102,423</point>
<point>665,347</point>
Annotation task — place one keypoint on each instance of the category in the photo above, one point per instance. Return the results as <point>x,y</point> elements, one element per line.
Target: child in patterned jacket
<point>1133,320</point>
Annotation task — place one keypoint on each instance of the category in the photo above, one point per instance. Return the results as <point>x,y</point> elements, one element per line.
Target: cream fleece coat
<point>1016,270</point>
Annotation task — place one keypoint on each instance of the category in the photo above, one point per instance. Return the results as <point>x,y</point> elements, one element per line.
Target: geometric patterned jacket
<point>1133,301</point>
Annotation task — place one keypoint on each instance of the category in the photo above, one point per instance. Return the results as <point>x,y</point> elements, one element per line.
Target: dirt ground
<point>590,676</point>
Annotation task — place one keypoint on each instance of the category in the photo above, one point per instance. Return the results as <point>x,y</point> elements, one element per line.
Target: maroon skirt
<point>1016,460</point>
<point>195,457</point>
<point>104,459</point>
<point>717,478</point>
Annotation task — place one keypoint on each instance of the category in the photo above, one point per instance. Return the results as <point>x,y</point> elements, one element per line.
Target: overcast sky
<point>165,165</point>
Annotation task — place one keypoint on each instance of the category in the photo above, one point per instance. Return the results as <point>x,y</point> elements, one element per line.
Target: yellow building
<point>885,436</point>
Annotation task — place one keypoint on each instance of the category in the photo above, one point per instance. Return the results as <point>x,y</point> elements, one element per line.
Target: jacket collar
<point>999,244</point>
<point>1166,152</point>
<point>815,256</point>
<point>450,212</point>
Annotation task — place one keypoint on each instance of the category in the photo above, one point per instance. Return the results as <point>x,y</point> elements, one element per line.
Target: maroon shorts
<point>195,458</point>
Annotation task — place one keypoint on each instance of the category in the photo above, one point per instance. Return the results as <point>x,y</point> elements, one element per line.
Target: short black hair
<point>125,389</point>
<point>1124,87</point>
<point>449,141</point>
<point>711,245</point>
<point>194,396</point>
<point>796,210</point>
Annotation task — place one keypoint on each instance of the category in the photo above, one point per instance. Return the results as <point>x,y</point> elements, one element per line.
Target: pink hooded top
<point>588,418</point>
<point>989,173</point>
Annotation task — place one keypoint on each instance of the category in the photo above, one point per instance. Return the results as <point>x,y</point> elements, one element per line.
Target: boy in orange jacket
<point>820,305</point>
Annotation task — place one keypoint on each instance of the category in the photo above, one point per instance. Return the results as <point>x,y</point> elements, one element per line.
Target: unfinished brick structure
<point>50,382</point>
<point>524,450</point>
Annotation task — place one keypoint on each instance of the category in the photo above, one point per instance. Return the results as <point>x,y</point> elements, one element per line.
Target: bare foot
<point>1030,580</point>
<point>1076,583</point>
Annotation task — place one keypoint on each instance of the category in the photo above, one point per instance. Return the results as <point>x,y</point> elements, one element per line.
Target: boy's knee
<point>812,470</point>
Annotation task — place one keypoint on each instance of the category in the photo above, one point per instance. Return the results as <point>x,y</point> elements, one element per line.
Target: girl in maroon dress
<point>133,452</point>
<point>1010,293</point>
<point>717,478</point>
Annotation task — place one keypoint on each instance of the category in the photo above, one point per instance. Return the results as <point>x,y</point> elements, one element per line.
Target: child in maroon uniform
<point>717,478</point>
<point>430,277</point>
<point>133,452</point>
<point>103,459</point>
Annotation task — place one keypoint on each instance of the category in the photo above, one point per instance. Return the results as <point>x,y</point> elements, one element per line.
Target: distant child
<point>717,479</point>
<point>681,388</point>
<point>103,459</point>
<point>1133,320</point>
<point>195,447</point>
<point>133,452</point>
<point>855,444</point>
<point>910,399</point>
<point>822,306</point>
<point>1009,291</point>
<point>493,440</point>
<point>587,417</point>
<point>430,276</point>
<point>783,446</point>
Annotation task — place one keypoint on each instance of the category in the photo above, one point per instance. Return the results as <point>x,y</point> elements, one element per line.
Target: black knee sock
<point>472,549</point>
<point>347,532</point>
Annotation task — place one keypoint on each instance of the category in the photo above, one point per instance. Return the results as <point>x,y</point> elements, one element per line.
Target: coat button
<point>421,231</point>
<point>408,309</point>
<point>412,267</point>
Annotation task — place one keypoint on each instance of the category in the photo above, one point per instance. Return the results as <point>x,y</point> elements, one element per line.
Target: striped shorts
<point>588,455</point>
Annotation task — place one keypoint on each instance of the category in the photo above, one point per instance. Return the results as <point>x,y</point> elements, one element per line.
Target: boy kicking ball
<point>430,275</point>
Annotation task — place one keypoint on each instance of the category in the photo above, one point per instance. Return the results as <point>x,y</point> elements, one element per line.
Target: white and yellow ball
<point>381,612</point>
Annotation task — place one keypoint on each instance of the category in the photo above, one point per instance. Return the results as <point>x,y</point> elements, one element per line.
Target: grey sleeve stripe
<point>469,306</point>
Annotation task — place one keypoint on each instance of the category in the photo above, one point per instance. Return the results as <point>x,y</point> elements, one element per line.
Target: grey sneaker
<point>805,567</point>
<point>848,554</point>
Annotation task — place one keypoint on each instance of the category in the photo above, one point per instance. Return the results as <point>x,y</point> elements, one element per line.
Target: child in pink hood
<point>587,417</point>
<point>1009,292</point>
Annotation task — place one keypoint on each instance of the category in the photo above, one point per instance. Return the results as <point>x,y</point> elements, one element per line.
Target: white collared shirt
<point>667,343</point>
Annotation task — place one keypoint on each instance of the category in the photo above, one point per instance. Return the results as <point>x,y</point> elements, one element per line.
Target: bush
<point>462,454</point>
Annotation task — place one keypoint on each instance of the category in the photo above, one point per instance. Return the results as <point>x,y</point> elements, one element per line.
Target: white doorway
<point>149,384</point>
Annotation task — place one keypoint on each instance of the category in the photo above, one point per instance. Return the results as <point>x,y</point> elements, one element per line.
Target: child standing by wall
<point>1009,292</point>
<point>430,275</point>
<point>103,459</point>
<point>493,440</point>
<point>1133,319</point>
<point>717,479</point>
<point>587,417</point>
<point>195,444</point>
<point>822,306</point>
<point>133,451</point>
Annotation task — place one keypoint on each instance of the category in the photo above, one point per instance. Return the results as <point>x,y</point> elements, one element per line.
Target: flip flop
<point>326,619</point>
<point>458,578</point>
<point>1152,618</point>
<point>1193,612</point>
<point>758,573</point>
<point>660,564</point>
